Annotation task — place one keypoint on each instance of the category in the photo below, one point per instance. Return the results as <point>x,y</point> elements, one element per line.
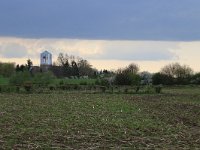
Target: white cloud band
<point>100,51</point>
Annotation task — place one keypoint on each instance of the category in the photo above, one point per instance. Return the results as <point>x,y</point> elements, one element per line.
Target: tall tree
<point>128,75</point>
<point>132,68</point>
<point>176,70</point>
<point>29,64</point>
<point>74,66</point>
<point>7,69</point>
<point>180,73</point>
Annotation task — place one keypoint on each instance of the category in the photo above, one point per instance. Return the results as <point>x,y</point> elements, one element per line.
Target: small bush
<point>94,87</point>
<point>62,87</point>
<point>44,78</point>
<point>61,82</point>
<point>103,89</point>
<point>159,78</point>
<point>20,78</point>
<point>76,87</point>
<point>105,82</point>
<point>112,89</point>
<point>17,89</point>
<point>90,87</point>
<point>158,89</point>
<point>126,78</point>
<point>149,89</point>
<point>137,89</point>
<point>52,87</point>
<point>28,86</point>
<point>126,90</point>
<point>83,83</point>
<point>7,88</point>
<point>97,82</point>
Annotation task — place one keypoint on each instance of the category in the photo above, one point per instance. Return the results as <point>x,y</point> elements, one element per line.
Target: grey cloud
<point>174,20</point>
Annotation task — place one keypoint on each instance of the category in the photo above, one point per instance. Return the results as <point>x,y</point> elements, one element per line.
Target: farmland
<point>75,120</point>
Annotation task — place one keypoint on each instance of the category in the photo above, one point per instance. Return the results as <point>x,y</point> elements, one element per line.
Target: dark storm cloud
<point>101,19</point>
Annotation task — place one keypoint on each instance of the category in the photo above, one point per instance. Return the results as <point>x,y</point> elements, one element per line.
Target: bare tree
<point>132,68</point>
<point>176,70</point>
<point>85,68</point>
<point>63,60</point>
<point>75,66</point>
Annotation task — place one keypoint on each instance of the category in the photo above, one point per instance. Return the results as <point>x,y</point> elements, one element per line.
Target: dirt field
<point>63,120</point>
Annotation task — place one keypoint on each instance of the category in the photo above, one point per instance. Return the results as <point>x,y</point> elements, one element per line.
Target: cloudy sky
<point>109,33</point>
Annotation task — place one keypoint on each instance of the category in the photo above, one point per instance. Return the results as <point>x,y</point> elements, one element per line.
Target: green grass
<point>187,89</point>
<point>75,81</point>
<point>4,81</point>
<point>100,121</point>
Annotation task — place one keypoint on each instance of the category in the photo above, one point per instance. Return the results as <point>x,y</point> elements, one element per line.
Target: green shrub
<point>97,82</point>
<point>61,82</point>
<point>149,89</point>
<point>126,90</point>
<point>44,78</point>
<point>17,89</point>
<point>158,89</point>
<point>112,89</point>
<point>195,79</point>
<point>105,82</point>
<point>7,88</point>
<point>20,78</point>
<point>52,87</point>
<point>83,83</point>
<point>94,87</point>
<point>127,79</point>
<point>137,89</point>
<point>3,80</point>
<point>103,89</point>
<point>90,87</point>
<point>76,87</point>
<point>159,78</point>
<point>28,86</point>
<point>7,69</point>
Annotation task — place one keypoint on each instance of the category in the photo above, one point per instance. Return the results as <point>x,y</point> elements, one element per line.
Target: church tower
<point>45,59</point>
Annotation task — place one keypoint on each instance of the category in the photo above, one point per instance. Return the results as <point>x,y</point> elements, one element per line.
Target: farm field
<point>74,120</point>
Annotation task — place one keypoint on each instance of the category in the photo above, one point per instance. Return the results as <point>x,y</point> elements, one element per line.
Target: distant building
<point>45,61</point>
<point>46,58</point>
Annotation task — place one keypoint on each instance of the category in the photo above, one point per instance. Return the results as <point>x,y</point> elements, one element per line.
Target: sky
<point>110,34</point>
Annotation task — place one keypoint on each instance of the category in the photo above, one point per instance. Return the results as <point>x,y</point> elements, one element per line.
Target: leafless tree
<point>176,70</point>
<point>132,68</point>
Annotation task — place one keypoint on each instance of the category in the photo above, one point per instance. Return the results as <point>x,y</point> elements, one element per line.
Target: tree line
<point>72,66</point>
<point>171,74</point>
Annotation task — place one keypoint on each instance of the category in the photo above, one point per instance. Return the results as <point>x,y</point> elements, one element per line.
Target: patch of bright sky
<point>104,54</point>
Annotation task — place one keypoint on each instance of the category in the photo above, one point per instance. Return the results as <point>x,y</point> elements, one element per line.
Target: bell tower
<point>45,59</point>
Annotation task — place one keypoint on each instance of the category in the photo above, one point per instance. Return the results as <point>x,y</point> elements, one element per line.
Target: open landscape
<point>104,74</point>
<point>78,107</point>
<point>74,120</point>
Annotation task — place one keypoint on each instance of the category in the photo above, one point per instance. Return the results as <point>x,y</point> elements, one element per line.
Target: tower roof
<point>45,52</point>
